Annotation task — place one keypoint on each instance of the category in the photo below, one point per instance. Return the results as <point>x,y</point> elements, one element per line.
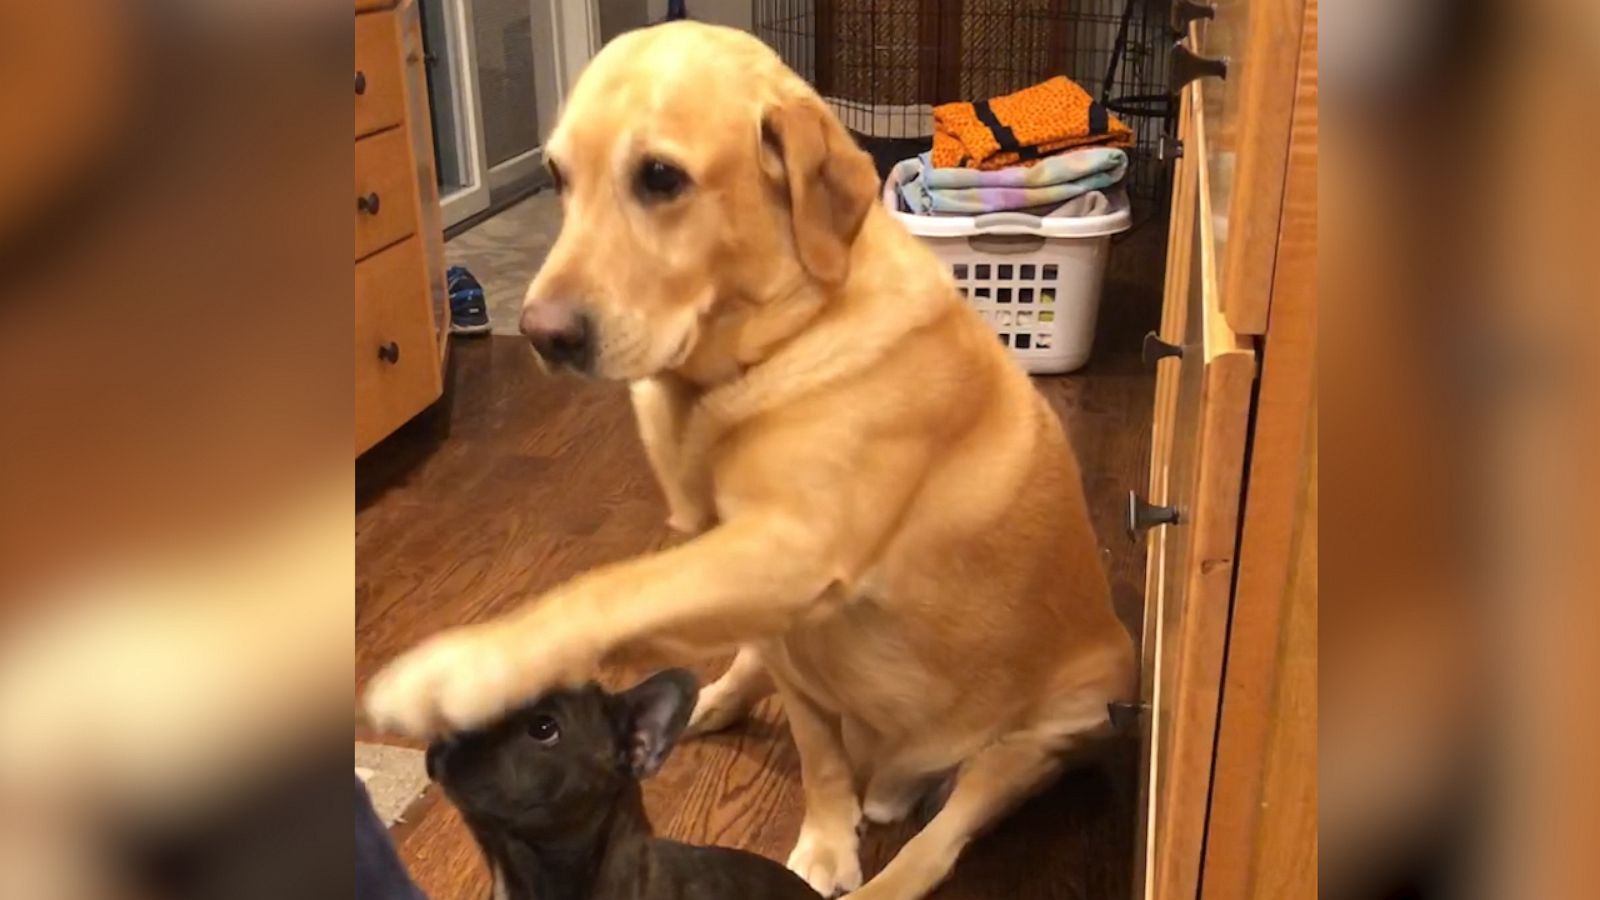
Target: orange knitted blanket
<point>1023,127</point>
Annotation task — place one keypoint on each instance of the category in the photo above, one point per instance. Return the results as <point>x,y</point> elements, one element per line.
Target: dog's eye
<point>545,730</point>
<point>660,180</point>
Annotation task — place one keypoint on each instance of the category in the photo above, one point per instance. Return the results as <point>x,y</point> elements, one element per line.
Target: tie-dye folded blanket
<point>929,190</point>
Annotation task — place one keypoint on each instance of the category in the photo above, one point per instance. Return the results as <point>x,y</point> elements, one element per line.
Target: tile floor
<point>505,250</point>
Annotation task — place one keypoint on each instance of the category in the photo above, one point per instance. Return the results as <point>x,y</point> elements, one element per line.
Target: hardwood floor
<point>518,481</point>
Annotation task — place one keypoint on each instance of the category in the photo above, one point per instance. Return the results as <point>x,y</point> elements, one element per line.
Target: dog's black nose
<point>560,333</point>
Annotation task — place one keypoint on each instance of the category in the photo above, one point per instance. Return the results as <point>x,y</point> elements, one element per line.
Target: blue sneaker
<point>469,314</point>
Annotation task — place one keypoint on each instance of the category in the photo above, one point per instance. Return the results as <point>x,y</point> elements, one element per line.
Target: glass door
<point>495,75</point>
<point>452,96</point>
<point>507,88</point>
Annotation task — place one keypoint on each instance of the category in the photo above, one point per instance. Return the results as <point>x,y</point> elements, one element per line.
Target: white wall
<point>617,16</point>
<point>733,13</point>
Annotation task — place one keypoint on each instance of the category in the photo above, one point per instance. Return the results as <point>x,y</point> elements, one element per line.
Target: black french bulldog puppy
<point>551,792</point>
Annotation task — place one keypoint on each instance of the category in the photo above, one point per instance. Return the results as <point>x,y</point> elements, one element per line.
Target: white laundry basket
<point>1035,279</point>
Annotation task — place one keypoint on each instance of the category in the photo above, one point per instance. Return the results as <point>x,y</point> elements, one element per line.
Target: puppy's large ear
<point>830,181</point>
<point>654,713</point>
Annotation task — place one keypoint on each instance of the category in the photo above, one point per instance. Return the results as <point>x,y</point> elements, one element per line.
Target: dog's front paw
<point>887,809</point>
<point>718,707</point>
<point>687,521</point>
<point>827,859</point>
<point>878,889</point>
<point>454,681</point>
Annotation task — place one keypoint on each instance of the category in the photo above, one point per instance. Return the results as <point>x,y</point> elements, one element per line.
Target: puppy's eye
<point>660,180</point>
<point>545,730</point>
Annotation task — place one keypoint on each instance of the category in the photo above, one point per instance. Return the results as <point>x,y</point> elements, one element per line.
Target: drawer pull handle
<point>1186,11</point>
<point>369,203</point>
<point>1143,516</point>
<point>361,82</point>
<point>1184,66</point>
<point>1156,349</point>
<point>389,353</point>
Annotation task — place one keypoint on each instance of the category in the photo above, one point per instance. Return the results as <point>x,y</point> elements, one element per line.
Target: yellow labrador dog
<point>887,516</point>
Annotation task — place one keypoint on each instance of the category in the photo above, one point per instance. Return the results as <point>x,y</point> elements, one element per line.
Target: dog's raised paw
<point>827,860</point>
<point>451,682</point>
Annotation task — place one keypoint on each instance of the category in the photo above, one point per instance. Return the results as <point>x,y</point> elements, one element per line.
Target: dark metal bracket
<point>1184,66</point>
<point>1186,11</point>
<point>1155,349</point>
<point>1124,716</point>
<point>1143,516</point>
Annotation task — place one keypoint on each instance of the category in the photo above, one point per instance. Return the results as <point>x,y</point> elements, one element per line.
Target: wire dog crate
<point>884,64</point>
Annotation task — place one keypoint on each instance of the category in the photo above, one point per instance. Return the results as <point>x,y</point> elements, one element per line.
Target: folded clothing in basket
<point>1022,127</point>
<point>926,189</point>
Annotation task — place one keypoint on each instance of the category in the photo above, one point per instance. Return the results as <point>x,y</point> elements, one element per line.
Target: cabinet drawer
<point>380,93</point>
<point>1247,117</point>
<point>1174,309</point>
<point>386,189</point>
<point>397,361</point>
<point>1199,471</point>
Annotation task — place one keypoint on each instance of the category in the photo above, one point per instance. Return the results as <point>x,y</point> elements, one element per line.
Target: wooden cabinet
<point>1190,563</point>
<point>1229,688</point>
<point>401,329</point>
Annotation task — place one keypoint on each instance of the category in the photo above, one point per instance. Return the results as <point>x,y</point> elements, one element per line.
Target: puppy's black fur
<point>551,792</point>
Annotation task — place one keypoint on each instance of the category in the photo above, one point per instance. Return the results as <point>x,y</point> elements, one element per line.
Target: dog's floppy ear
<point>830,181</point>
<point>654,713</point>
